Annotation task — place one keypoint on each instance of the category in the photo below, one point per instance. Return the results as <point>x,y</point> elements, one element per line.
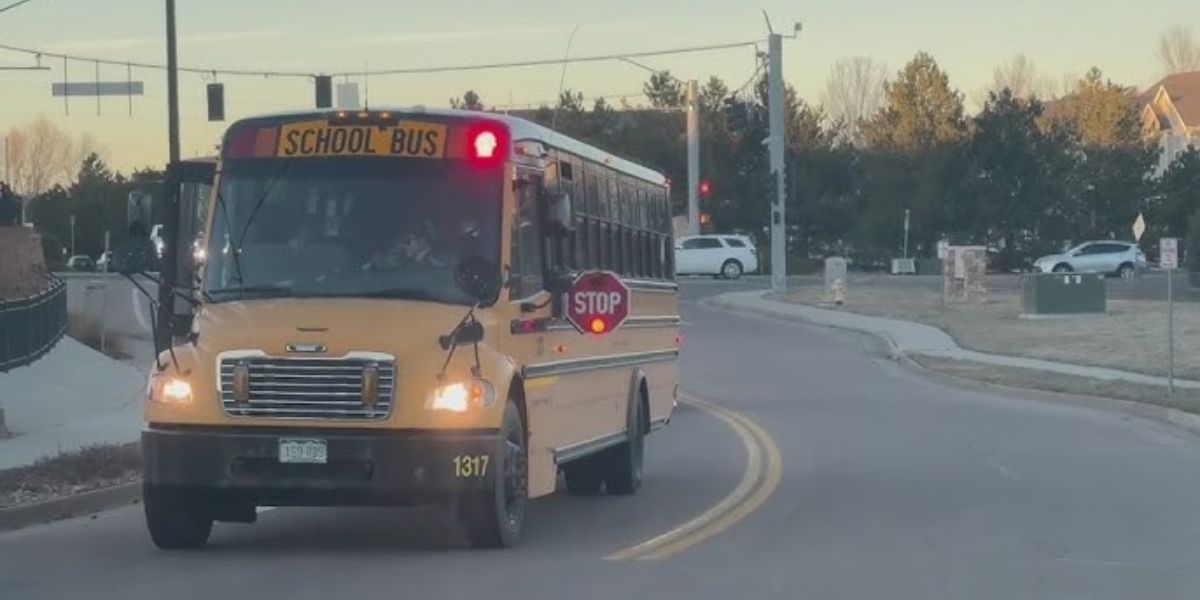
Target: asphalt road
<point>893,486</point>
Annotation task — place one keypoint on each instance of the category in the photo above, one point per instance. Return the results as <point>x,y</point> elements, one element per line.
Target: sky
<point>969,38</point>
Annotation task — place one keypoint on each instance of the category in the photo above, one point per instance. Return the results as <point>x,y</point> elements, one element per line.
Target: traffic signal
<point>324,91</point>
<point>216,102</point>
<point>705,188</point>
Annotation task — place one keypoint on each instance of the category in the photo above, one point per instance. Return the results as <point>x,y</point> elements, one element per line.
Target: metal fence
<point>29,327</point>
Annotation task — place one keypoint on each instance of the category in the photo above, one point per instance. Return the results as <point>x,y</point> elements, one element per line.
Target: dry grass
<point>69,473</point>
<point>1183,399</point>
<point>1132,336</point>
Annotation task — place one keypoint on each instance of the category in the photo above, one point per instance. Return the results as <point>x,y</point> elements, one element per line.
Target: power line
<point>382,72</point>
<point>14,5</point>
<point>556,61</point>
<point>549,103</point>
<point>753,76</point>
<point>643,66</point>
<point>155,66</point>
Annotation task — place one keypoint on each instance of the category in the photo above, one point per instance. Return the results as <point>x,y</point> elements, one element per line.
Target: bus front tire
<point>494,518</point>
<point>177,519</point>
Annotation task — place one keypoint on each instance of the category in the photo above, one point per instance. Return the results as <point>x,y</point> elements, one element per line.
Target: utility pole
<point>906,213</point>
<point>693,157</point>
<point>775,145</point>
<point>166,300</point>
<point>8,178</point>
<point>72,235</point>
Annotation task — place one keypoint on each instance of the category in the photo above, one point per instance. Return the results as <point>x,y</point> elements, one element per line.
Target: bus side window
<point>526,273</point>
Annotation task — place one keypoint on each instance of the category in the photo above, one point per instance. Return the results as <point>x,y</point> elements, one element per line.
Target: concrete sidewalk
<point>70,398</point>
<point>907,337</point>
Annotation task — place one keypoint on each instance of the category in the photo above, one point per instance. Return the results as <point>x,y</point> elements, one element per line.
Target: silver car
<point>1109,256</point>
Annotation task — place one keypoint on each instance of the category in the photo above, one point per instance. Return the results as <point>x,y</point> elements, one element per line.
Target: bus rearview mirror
<point>477,278</point>
<point>135,256</point>
<point>559,213</point>
<point>559,282</point>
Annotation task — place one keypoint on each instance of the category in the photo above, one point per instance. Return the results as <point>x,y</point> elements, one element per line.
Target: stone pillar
<point>965,274</point>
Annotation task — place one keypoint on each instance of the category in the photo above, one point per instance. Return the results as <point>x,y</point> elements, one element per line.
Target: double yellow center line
<point>764,468</point>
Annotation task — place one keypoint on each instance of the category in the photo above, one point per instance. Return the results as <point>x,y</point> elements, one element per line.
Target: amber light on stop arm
<point>598,325</point>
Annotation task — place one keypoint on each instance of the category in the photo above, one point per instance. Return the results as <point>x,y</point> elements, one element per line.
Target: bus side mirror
<point>134,256</point>
<point>560,217</point>
<point>477,278</point>
<point>559,281</point>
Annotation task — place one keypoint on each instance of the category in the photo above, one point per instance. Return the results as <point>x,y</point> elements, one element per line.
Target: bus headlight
<point>460,396</point>
<point>170,390</point>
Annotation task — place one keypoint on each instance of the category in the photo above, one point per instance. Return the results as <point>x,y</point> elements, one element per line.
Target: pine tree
<point>920,111</point>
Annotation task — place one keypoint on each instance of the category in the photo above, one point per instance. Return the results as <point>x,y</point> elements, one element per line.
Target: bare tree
<point>40,155</point>
<point>1021,77</point>
<point>853,93</point>
<point>1178,52</point>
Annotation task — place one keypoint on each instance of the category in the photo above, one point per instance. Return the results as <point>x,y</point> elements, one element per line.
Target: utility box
<point>1063,294</point>
<point>835,279</point>
<point>904,266</point>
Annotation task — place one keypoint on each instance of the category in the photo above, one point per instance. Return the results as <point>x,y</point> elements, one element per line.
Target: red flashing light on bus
<point>241,144</point>
<point>487,144</point>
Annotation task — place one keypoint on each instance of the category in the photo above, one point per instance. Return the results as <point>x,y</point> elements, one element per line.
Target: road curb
<point>1156,412</point>
<point>74,505</point>
<point>720,301</point>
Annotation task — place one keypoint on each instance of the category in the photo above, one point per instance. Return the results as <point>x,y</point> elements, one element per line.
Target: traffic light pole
<point>775,145</point>
<point>693,157</point>
<point>166,299</point>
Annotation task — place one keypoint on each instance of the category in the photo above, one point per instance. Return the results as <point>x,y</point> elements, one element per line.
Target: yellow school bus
<point>380,320</point>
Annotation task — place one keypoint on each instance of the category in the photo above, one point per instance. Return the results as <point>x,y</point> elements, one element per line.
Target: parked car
<point>725,256</point>
<point>81,262</point>
<point>1109,257</point>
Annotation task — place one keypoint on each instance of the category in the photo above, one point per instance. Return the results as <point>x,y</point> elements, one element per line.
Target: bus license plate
<point>303,450</point>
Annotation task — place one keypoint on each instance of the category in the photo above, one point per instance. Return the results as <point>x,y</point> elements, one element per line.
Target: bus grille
<point>309,388</point>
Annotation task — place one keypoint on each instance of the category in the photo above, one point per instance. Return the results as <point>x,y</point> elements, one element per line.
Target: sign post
<point>597,302</point>
<point>1168,259</point>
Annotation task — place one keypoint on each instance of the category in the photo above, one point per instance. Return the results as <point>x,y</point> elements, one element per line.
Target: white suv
<point>725,256</point>
<point>1117,258</point>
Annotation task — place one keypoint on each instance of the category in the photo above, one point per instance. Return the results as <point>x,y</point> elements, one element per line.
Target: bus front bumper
<point>362,467</point>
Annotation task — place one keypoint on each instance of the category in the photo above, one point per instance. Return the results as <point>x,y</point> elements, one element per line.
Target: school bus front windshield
<point>350,227</point>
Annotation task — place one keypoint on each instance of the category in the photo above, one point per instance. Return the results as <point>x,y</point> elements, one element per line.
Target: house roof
<point>1184,91</point>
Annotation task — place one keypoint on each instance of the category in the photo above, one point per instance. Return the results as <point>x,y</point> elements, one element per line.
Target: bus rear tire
<point>494,518</point>
<point>177,519</point>
<point>583,477</point>
<point>623,463</point>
